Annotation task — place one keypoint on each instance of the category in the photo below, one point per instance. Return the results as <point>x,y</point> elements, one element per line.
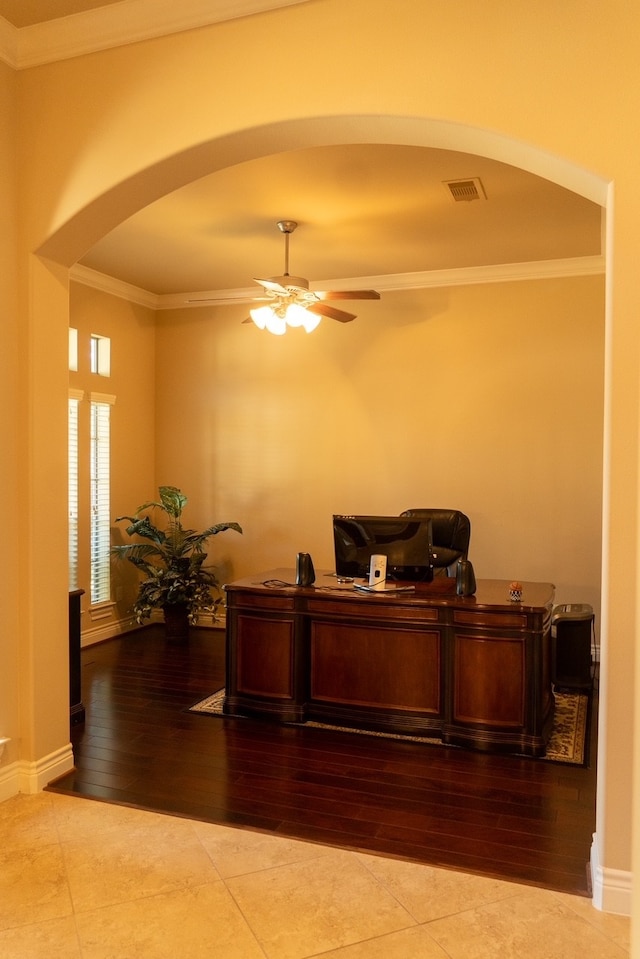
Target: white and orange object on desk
<point>515,592</point>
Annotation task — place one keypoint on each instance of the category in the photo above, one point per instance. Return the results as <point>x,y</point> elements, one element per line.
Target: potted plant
<point>171,560</point>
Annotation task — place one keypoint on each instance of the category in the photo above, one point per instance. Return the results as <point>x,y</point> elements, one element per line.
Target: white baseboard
<point>103,631</point>
<point>208,621</point>
<point>112,629</point>
<point>611,888</point>
<point>31,777</point>
<point>9,781</point>
<point>205,620</point>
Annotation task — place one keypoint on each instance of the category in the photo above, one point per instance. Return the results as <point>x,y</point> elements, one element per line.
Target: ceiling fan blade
<point>347,294</point>
<point>323,309</point>
<point>271,286</point>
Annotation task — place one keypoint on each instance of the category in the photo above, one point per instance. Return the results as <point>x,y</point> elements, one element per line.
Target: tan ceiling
<point>363,210</point>
<point>24,13</point>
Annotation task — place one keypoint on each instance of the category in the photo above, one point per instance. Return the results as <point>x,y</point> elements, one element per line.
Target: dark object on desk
<point>305,573</point>
<point>451,532</point>
<point>465,578</point>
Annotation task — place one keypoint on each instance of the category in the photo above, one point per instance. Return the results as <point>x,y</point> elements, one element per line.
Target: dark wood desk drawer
<point>371,610</point>
<point>482,618</point>
<point>262,601</point>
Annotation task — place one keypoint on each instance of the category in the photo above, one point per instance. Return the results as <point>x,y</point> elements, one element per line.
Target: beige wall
<point>552,88</point>
<point>485,398</point>
<point>9,414</point>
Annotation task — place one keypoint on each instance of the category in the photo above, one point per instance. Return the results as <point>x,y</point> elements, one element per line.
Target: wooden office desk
<point>473,671</point>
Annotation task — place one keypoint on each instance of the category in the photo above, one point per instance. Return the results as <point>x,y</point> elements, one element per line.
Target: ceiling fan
<point>286,291</point>
<point>291,302</point>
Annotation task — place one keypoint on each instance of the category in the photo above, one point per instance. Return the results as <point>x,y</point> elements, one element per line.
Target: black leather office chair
<point>451,531</point>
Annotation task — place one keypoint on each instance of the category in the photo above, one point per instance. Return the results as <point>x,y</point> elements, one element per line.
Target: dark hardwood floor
<point>514,818</point>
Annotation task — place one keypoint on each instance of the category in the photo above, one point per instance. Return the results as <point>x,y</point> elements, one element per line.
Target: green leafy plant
<point>171,559</point>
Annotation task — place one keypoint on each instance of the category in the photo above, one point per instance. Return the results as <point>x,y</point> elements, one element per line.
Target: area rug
<point>567,743</point>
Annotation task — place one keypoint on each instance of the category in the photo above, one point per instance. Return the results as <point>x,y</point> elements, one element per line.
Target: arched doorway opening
<point>102,213</point>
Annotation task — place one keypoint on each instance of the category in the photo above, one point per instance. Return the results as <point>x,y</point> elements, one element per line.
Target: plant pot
<point>176,623</point>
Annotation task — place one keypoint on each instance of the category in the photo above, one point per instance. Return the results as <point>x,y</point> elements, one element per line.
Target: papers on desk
<point>386,589</point>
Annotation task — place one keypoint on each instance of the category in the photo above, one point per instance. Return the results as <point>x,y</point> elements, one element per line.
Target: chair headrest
<point>451,531</point>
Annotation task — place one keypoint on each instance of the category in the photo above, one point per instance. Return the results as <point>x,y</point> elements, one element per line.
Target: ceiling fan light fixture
<point>297,315</point>
<point>310,321</point>
<point>275,319</point>
<point>267,319</point>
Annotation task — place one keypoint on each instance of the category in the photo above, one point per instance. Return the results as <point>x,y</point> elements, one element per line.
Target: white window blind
<point>100,499</point>
<point>74,404</point>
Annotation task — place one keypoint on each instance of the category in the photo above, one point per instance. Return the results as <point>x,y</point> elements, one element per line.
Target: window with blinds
<point>73,349</point>
<point>100,500</point>
<point>100,355</point>
<point>74,404</point>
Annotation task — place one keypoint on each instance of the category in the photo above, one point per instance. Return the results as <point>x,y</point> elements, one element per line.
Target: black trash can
<point>571,631</point>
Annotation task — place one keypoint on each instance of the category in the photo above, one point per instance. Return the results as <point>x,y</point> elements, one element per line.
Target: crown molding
<point>109,284</point>
<point>8,43</point>
<point>129,21</point>
<point>468,276</point>
<point>471,275</point>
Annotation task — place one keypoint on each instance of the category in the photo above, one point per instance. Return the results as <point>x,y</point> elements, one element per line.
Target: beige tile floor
<point>81,879</point>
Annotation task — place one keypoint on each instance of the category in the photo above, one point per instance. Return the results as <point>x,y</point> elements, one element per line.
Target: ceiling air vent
<point>471,189</point>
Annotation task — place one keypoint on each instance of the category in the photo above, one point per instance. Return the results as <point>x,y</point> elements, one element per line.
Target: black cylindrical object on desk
<point>465,578</point>
<point>305,573</point>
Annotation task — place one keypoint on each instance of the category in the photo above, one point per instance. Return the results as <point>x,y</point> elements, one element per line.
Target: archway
<point>71,238</point>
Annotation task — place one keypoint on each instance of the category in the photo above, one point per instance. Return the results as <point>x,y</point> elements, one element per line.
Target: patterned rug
<point>567,743</point>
